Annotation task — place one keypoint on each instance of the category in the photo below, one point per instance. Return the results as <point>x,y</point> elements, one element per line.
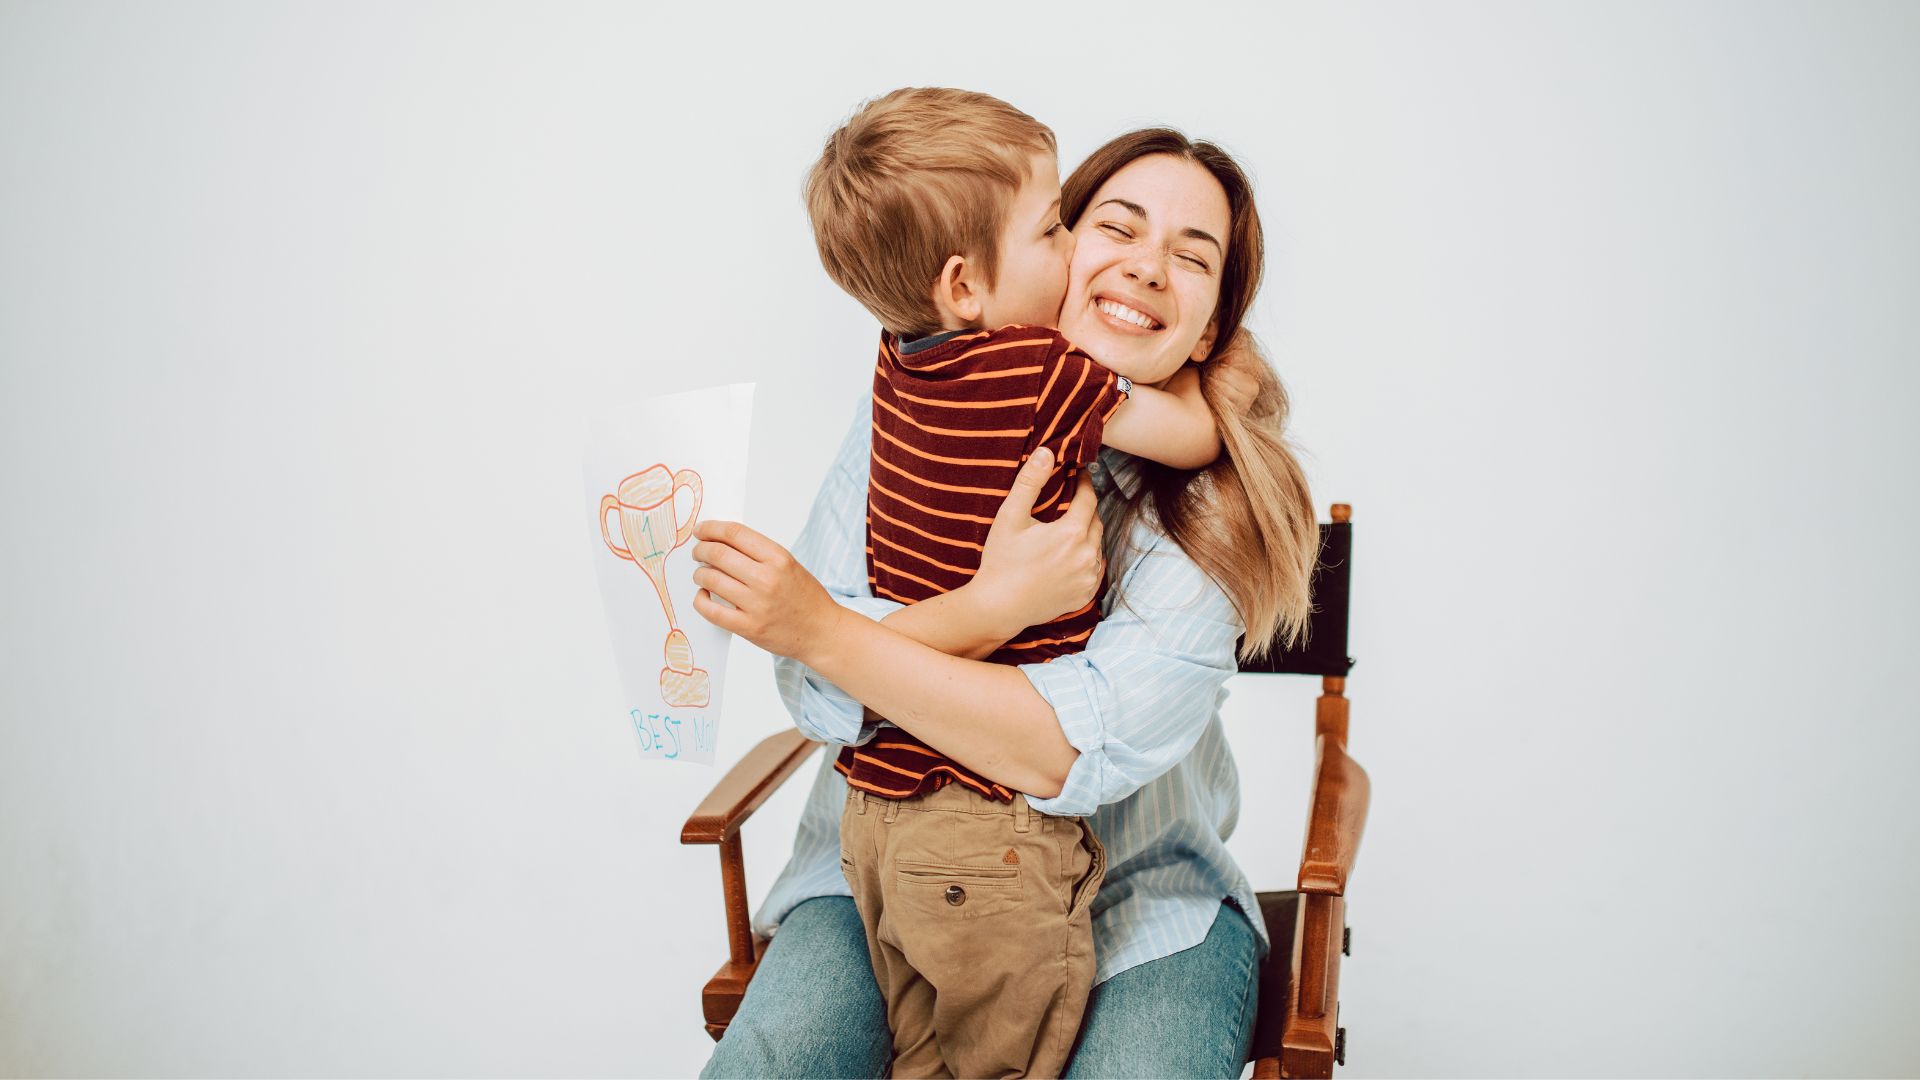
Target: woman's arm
<point>831,546</point>
<point>1076,732</point>
<point>1029,573</point>
<point>987,717</point>
<point>1151,679</point>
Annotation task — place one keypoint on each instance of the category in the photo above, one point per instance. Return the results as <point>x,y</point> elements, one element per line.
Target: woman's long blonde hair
<point>1248,519</point>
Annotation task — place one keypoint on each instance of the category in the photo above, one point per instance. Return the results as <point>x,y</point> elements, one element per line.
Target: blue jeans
<point>813,1009</point>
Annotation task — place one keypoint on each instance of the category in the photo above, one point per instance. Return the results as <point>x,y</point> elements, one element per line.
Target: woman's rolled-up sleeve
<point>1150,679</point>
<point>832,546</point>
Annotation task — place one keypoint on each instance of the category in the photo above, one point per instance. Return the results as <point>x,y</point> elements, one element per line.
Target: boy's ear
<point>1204,347</point>
<point>954,295</point>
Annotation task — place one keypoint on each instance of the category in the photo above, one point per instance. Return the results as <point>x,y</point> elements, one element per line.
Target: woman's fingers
<point>1018,505</point>
<point>717,613</point>
<point>727,559</point>
<point>738,536</point>
<point>1081,509</point>
<point>722,586</point>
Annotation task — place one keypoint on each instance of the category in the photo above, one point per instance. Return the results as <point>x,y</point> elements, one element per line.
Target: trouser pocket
<point>1088,885</point>
<point>957,892</point>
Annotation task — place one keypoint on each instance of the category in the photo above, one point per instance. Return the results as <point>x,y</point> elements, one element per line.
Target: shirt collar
<point>909,346</point>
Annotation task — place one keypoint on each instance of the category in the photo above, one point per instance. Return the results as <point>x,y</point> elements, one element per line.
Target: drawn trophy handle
<point>611,502</point>
<point>685,478</point>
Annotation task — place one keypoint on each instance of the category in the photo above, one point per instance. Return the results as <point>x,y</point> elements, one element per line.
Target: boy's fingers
<point>1240,385</point>
<point>1027,484</point>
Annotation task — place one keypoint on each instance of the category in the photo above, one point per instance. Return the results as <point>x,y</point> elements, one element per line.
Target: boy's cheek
<point>1059,302</point>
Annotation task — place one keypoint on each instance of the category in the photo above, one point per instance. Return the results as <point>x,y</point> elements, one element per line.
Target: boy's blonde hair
<point>914,178</point>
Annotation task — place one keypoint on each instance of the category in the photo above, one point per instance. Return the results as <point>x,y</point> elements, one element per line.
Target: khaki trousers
<point>979,922</point>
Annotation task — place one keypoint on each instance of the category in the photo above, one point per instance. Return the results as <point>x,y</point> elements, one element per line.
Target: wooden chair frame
<point>1297,1032</point>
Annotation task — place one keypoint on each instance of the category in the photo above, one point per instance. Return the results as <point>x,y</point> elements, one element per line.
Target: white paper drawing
<point>653,470</point>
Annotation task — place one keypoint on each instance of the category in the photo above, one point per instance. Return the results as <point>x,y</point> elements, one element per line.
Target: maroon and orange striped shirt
<point>953,420</point>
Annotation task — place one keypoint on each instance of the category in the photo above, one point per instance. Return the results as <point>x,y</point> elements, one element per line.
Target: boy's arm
<point>1171,426</point>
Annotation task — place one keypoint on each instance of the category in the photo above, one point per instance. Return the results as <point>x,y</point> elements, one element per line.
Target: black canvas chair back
<point>1324,652</point>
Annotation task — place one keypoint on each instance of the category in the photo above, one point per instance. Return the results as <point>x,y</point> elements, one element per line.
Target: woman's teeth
<point>1126,314</point>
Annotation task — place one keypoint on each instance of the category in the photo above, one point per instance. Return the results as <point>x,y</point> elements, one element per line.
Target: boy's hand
<point>777,604</point>
<point>1032,572</point>
<point>1234,379</point>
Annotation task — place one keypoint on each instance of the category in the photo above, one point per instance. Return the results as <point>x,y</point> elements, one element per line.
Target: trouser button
<point>956,895</point>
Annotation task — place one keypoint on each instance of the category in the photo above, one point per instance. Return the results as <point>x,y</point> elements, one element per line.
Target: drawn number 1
<point>653,545</point>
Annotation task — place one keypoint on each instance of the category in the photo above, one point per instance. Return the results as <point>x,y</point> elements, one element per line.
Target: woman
<point>1167,260</point>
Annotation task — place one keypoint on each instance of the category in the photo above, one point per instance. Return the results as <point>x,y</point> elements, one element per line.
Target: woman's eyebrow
<point>1195,234</point>
<point>1189,232</point>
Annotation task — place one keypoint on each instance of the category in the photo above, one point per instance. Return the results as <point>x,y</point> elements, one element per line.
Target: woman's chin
<point>1120,355</point>
<point>1148,365</point>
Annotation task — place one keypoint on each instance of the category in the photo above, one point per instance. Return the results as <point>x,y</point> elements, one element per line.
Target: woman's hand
<point>1032,572</point>
<point>988,717</point>
<point>776,603</point>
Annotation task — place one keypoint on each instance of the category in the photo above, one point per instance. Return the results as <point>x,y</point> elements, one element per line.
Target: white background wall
<point>1603,316</point>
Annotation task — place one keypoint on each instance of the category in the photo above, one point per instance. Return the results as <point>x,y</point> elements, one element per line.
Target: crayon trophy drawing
<point>655,469</point>
<point>646,506</point>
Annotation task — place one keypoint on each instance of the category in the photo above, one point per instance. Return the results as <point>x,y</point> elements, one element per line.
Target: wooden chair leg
<point>717,821</point>
<point>1312,1043</point>
<point>721,997</point>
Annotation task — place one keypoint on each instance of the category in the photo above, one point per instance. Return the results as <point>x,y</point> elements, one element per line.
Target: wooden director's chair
<point>1297,1032</point>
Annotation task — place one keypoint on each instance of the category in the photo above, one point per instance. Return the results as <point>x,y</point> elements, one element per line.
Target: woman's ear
<point>1204,347</point>
<point>954,296</point>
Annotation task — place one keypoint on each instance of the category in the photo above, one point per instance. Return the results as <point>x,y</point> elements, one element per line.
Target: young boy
<point>939,211</point>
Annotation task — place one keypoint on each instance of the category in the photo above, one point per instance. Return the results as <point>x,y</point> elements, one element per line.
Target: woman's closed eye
<point>1121,232</point>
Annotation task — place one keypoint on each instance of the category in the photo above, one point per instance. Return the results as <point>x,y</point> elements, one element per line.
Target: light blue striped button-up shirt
<point>1141,703</point>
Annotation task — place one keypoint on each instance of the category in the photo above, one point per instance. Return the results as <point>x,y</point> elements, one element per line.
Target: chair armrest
<point>1334,824</point>
<point>748,784</point>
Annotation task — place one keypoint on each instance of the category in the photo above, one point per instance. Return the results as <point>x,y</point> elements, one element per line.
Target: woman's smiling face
<point>1145,277</point>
